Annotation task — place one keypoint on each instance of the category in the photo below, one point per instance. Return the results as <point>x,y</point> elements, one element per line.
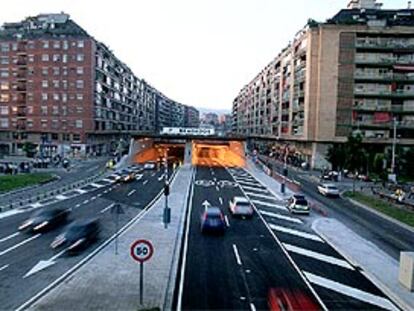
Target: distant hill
<point>218,111</point>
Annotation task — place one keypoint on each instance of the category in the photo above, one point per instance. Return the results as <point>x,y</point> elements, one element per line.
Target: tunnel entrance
<point>157,152</point>
<point>218,153</point>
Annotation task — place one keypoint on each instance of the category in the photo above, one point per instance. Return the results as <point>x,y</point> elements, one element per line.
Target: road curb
<point>370,276</point>
<point>386,217</point>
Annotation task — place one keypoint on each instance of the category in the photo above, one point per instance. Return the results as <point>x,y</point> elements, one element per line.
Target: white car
<point>240,206</point>
<point>328,190</point>
<point>149,166</point>
<point>297,203</point>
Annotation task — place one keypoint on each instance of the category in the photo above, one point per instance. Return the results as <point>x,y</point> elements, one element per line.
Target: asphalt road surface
<point>275,249</point>
<point>20,252</point>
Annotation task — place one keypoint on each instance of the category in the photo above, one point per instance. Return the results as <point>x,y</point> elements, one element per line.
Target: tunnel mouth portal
<point>218,153</point>
<point>158,151</point>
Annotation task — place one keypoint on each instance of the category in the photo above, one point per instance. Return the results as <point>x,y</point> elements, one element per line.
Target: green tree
<point>356,154</point>
<point>336,155</point>
<point>29,148</point>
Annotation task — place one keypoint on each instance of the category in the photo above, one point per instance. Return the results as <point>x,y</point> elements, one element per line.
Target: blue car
<point>212,221</point>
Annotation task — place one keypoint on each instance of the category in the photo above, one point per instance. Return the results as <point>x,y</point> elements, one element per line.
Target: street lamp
<point>394,142</point>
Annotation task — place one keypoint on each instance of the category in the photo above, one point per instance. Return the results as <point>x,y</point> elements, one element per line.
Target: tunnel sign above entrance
<point>187,131</point>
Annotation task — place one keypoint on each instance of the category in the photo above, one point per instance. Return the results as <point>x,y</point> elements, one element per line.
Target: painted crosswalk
<point>268,204</point>
<point>281,217</point>
<point>297,233</point>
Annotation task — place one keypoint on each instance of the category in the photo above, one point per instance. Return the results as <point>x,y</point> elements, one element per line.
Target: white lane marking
<point>257,189</point>
<point>138,177</point>
<point>106,191</point>
<point>217,188</point>
<point>282,217</point>
<point>145,182</point>
<point>96,185</point>
<point>351,291</point>
<point>35,205</point>
<point>81,191</point>
<point>252,307</point>
<point>301,234</point>
<point>131,192</point>
<point>43,264</point>
<point>212,173</point>
<point>161,177</point>
<point>11,236</point>
<point>77,205</point>
<point>106,208</point>
<point>263,196</point>
<point>221,200</point>
<point>107,180</point>
<point>268,204</point>
<point>99,195</point>
<point>61,197</point>
<point>236,253</point>
<point>4,267</point>
<point>318,256</point>
<point>226,219</point>
<point>20,244</point>
<point>246,180</point>
<point>153,174</point>
<point>85,202</point>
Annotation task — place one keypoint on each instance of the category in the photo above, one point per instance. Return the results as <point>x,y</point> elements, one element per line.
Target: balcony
<point>385,45</point>
<point>383,77</point>
<point>382,60</point>
<point>385,93</point>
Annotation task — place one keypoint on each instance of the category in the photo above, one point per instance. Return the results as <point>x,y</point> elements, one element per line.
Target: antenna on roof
<point>409,5</point>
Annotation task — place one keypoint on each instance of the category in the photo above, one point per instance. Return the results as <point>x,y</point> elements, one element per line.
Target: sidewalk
<point>377,265</point>
<point>111,282</point>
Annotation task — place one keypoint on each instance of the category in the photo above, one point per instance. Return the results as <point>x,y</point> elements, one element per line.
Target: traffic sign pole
<point>141,283</point>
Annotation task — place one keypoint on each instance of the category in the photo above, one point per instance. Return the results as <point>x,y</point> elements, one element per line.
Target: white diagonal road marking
<point>19,244</point>
<point>236,254</point>
<point>81,191</point>
<point>318,256</point>
<point>107,208</point>
<point>11,236</point>
<point>4,267</point>
<point>301,234</point>
<point>257,189</point>
<point>282,217</point>
<point>269,204</point>
<point>351,291</point>
<point>131,192</point>
<point>267,196</point>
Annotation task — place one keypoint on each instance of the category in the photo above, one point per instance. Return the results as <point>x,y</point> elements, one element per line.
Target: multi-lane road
<point>27,262</point>
<point>274,249</point>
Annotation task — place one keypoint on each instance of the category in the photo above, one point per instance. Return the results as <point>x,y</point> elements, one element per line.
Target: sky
<point>197,52</point>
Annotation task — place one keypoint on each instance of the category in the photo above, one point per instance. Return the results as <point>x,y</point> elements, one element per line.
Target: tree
<point>356,154</point>
<point>336,155</point>
<point>29,148</point>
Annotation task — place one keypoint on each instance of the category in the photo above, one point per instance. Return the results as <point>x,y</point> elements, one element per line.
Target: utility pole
<point>394,142</point>
<point>167,210</point>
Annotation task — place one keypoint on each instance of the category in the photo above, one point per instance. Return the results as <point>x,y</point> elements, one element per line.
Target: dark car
<point>45,219</point>
<point>78,235</point>
<point>212,220</point>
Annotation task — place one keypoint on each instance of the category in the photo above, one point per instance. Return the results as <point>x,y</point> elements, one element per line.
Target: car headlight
<point>25,224</point>
<point>77,243</point>
<point>41,225</point>
<point>59,240</point>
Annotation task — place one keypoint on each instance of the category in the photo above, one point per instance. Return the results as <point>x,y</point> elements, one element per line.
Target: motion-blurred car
<point>45,219</point>
<point>150,166</point>
<point>78,235</point>
<point>328,190</point>
<point>127,177</point>
<point>212,220</point>
<point>279,299</point>
<point>240,206</point>
<point>331,175</point>
<point>297,203</point>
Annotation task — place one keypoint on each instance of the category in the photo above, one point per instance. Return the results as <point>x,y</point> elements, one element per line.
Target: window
<point>79,97</point>
<point>4,86</point>
<point>56,44</point>
<point>4,98</point>
<point>64,84</point>
<point>45,84</point>
<point>14,46</point>
<point>43,110</point>
<point>65,71</point>
<point>31,58</point>
<point>4,123</point>
<point>4,110</point>
<point>81,44</point>
<point>64,111</point>
<point>80,57</point>
<point>55,110</point>
<point>30,71</point>
<point>56,57</point>
<point>44,96</point>
<point>43,123</point>
<point>79,70</point>
<point>30,97</point>
<point>79,109</point>
<point>31,45</point>
<point>4,73</point>
<point>45,71</point>
<point>45,44</point>
<point>55,96</point>
<point>65,45</point>
<point>66,137</point>
<point>79,84</point>
<point>56,84</point>
<point>65,58</point>
<point>64,97</point>
<point>45,57</point>
<point>29,109</point>
<point>56,71</point>
<point>78,124</point>
<point>4,47</point>
<point>4,60</point>
<point>29,123</point>
<point>76,137</point>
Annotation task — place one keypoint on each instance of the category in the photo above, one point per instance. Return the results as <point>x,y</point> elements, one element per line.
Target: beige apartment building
<point>354,72</point>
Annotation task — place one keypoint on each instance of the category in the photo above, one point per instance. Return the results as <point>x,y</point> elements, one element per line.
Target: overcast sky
<point>197,52</point>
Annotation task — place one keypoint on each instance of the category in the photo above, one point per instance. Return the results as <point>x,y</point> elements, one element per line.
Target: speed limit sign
<point>142,250</point>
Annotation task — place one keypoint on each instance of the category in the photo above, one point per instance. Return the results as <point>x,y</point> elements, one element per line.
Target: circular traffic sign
<point>141,250</point>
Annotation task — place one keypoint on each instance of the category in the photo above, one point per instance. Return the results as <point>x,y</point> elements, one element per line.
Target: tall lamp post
<point>394,142</point>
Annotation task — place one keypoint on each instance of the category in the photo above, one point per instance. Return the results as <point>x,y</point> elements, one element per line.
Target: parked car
<point>297,203</point>
<point>328,190</point>
<point>240,206</point>
<point>150,166</point>
<point>78,235</point>
<point>212,220</point>
<point>280,299</point>
<point>330,175</point>
<point>45,219</point>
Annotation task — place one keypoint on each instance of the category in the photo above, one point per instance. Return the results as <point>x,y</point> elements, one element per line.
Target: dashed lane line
<point>19,244</point>
<point>81,191</point>
<point>226,219</point>
<point>282,217</point>
<point>4,267</point>
<point>11,236</point>
<point>301,234</point>
<point>236,254</point>
<point>351,291</point>
<point>96,185</point>
<point>221,200</point>
<point>85,202</point>
<point>318,256</point>
<point>145,182</point>
<point>106,208</point>
<point>61,197</point>
<point>252,307</point>
<point>131,192</point>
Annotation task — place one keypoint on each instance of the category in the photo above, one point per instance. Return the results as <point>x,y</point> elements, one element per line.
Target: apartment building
<point>67,92</point>
<point>352,73</point>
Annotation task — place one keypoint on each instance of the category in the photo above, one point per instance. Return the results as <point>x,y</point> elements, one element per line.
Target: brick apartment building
<point>66,92</point>
<point>353,73</point>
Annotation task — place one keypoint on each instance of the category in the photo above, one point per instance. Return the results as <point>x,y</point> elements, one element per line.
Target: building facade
<point>68,93</point>
<point>353,73</point>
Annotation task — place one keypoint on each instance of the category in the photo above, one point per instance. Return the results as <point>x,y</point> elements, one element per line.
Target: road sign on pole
<point>141,251</point>
<point>117,210</point>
